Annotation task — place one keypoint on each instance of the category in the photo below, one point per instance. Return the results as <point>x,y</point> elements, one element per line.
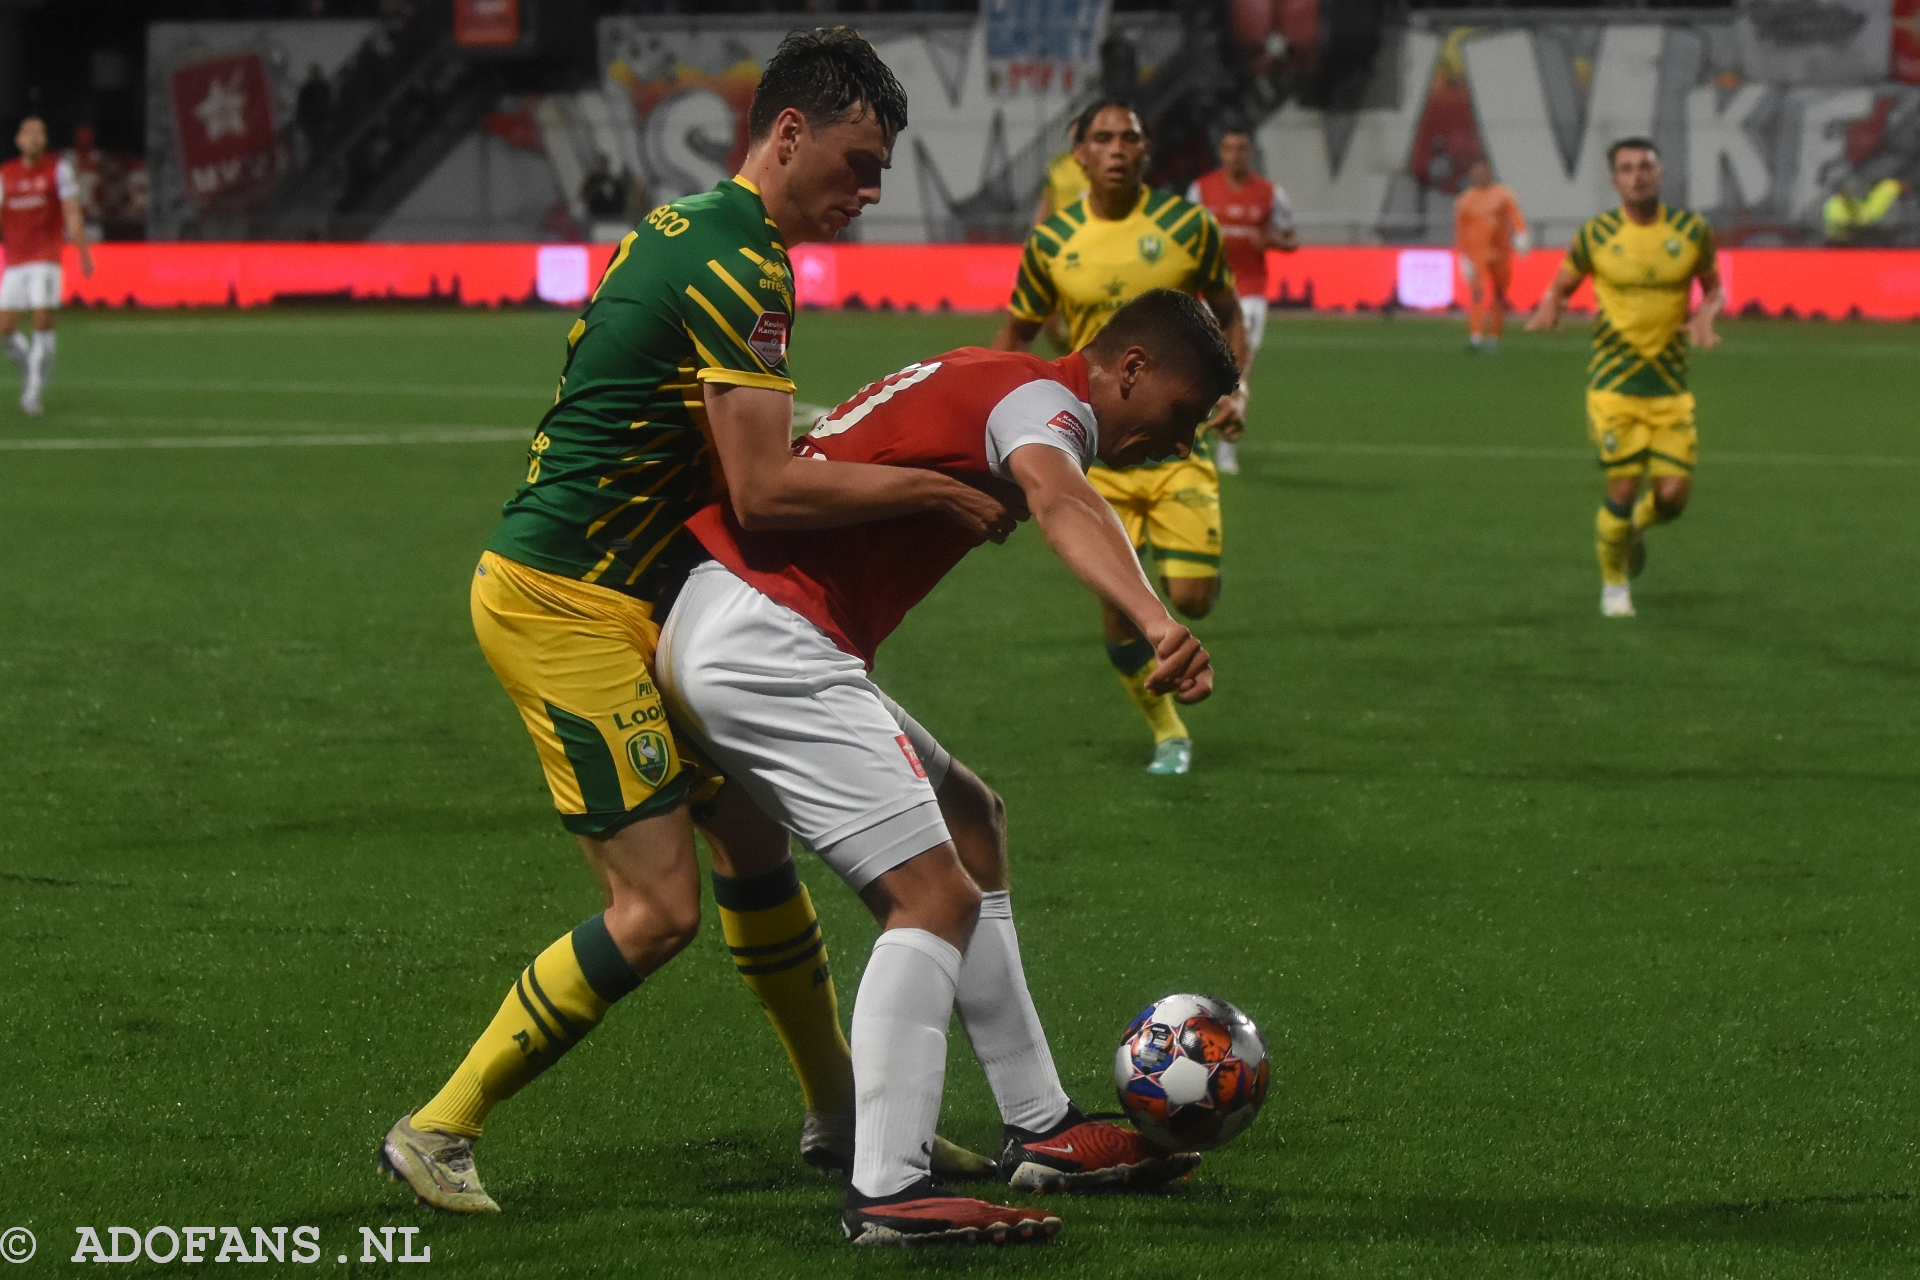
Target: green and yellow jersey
<point>699,292</point>
<point>1066,181</point>
<point>1090,267</point>
<point>1642,279</point>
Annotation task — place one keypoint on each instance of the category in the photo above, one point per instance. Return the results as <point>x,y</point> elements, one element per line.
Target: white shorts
<point>1253,313</point>
<point>767,697</point>
<point>31,286</point>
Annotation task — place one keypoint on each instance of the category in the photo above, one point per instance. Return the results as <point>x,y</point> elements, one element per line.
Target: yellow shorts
<point>1173,508</point>
<point>1643,435</point>
<point>576,659</point>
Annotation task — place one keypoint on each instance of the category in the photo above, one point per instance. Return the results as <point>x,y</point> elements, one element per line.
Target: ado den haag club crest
<point>647,753</point>
<point>1152,246</point>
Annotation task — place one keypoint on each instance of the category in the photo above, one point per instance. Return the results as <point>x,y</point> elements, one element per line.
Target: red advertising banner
<point>1906,41</point>
<point>223,119</point>
<point>1874,284</point>
<point>486,24</point>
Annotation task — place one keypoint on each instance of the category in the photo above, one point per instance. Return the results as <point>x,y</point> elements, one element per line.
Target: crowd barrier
<point>1830,283</point>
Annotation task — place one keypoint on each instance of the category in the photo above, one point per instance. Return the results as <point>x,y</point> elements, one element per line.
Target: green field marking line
<point>1519,453</point>
<point>444,435</point>
<point>230,385</point>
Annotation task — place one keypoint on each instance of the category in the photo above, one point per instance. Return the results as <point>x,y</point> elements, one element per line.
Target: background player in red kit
<point>1254,216</point>
<point>39,213</point>
<point>764,665</point>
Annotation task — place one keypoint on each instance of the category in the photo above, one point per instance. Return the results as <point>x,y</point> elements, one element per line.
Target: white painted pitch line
<point>243,385</point>
<point>489,435</point>
<point>1511,453</point>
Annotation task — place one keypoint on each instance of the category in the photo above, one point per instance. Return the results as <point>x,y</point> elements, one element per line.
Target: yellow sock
<point>1134,661</point>
<point>775,939</point>
<point>1614,530</point>
<point>1647,512</point>
<point>555,1001</point>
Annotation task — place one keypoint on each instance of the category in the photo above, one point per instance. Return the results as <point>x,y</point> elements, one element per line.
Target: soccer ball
<point>1191,1072</point>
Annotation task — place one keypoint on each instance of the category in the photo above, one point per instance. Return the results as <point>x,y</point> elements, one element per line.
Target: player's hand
<point>1184,669</point>
<point>86,264</point>
<point>978,512</point>
<point>1545,316</point>
<point>1466,270</point>
<point>1700,332</point>
<point>1229,416</point>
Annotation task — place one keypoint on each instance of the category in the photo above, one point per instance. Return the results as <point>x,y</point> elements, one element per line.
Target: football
<point>1191,1072</point>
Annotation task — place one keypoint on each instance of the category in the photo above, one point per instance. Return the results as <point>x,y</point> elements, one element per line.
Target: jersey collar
<point>1073,372</point>
<point>1134,212</point>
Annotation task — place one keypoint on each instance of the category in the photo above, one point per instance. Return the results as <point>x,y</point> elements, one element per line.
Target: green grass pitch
<point>1586,948</point>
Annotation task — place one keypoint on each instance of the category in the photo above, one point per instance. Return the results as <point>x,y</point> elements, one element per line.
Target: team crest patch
<point>1070,426</point>
<point>913,757</point>
<point>1672,247</point>
<point>1152,246</point>
<point>648,754</point>
<point>769,337</point>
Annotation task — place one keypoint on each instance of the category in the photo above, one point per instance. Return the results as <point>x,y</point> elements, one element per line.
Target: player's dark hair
<point>829,75</point>
<point>1630,144</point>
<point>1176,327</point>
<point>1084,121</point>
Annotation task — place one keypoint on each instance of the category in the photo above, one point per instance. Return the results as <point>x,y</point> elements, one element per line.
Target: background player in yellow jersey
<point>1086,261</point>
<point>1066,182</point>
<point>1644,258</point>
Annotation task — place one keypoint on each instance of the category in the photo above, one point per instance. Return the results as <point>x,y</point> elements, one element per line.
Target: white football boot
<point>1616,602</point>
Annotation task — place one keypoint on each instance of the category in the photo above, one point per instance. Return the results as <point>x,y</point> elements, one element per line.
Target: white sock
<point>17,351</point>
<point>40,359</point>
<point>997,1011</point>
<point>900,1057</point>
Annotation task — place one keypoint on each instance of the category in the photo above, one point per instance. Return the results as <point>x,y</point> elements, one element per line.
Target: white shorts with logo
<point>766,696</point>
<point>31,286</point>
<point>1253,312</point>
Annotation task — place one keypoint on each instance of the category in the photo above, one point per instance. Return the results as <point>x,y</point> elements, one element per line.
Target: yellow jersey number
<point>541,443</point>
<point>667,222</point>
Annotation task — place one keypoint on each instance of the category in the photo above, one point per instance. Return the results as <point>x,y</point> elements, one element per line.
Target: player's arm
<point>1522,238</point>
<point>1713,300</point>
<point>1016,334</point>
<point>1034,295</point>
<point>1281,233</point>
<point>76,220</point>
<point>770,488</point>
<point>1083,530</point>
<point>1229,417</point>
<point>1554,301</point>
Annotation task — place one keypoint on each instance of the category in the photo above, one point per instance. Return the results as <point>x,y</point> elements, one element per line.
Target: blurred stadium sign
<point>1037,45</point>
<point>1424,279</point>
<point>1815,41</point>
<point>223,120</point>
<point>560,273</point>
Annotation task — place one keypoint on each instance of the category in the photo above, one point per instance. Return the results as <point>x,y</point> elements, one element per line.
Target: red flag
<point>1906,40</point>
<point>223,118</point>
<point>486,24</point>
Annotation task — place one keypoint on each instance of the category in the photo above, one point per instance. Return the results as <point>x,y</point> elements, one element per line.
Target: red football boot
<point>925,1214</point>
<point>1079,1154</point>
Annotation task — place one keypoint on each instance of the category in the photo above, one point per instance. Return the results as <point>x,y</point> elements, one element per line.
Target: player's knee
<point>1193,597</point>
<point>657,927</point>
<point>1671,499</point>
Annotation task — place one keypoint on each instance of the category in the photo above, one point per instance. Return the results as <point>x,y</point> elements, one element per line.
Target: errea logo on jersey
<point>1072,428</point>
<point>769,337</point>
